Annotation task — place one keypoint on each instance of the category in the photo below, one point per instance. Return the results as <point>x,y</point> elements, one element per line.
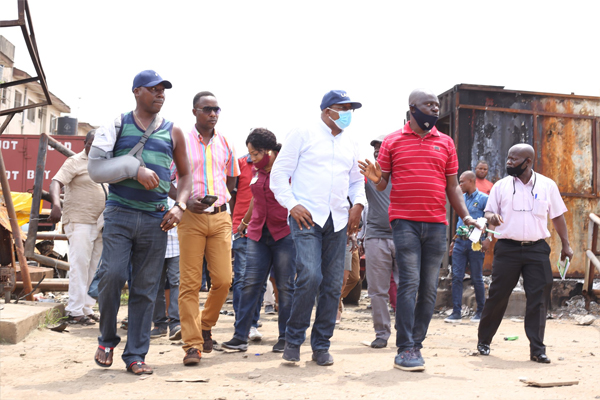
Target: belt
<point>522,243</point>
<point>219,209</point>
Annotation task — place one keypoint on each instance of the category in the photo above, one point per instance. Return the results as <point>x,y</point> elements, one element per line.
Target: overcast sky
<point>270,62</point>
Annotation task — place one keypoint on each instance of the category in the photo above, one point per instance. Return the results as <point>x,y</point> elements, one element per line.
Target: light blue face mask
<point>344,120</point>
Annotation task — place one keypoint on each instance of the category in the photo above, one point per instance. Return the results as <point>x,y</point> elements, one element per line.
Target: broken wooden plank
<point>551,384</point>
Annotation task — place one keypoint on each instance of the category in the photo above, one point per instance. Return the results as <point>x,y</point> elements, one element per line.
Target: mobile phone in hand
<point>209,199</point>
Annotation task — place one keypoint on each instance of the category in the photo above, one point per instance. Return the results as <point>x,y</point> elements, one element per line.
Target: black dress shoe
<point>541,358</point>
<point>484,349</point>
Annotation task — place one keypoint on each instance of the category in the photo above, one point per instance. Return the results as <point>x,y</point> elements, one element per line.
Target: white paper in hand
<point>563,267</point>
<point>476,234</point>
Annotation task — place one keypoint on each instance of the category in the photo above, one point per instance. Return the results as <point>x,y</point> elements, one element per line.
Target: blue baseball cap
<point>338,97</point>
<point>149,78</point>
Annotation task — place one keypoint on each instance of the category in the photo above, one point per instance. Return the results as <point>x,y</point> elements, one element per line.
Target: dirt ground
<point>50,365</point>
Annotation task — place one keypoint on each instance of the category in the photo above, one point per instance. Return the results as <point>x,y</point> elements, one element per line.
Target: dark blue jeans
<point>239,271</point>
<point>460,255</point>
<point>171,271</point>
<point>420,248</point>
<point>320,272</point>
<point>261,257</point>
<point>130,236</point>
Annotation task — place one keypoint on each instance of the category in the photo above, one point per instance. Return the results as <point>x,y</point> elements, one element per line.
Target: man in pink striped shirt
<point>422,165</point>
<point>205,229</point>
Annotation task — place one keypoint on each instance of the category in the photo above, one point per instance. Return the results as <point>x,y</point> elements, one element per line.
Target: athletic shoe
<point>158,332</point>
<point>408,361</point>
<point>235,344</point>
<point>270,309</point>
<point>454,318</point>
<point>254,334</point>
<point>279,346</point>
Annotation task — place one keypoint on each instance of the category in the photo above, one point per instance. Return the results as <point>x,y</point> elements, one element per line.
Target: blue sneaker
<point>418,354</point>
<point>454,318</point>
<point>407,360</point>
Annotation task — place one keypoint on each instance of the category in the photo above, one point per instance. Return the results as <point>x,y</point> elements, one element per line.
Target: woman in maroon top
<point>270,244</point>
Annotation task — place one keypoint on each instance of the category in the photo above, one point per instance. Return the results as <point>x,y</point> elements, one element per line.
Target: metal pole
<point>59,147</point>
<point>51,262</point>
<point>34,216</point>
<point>16,230</point>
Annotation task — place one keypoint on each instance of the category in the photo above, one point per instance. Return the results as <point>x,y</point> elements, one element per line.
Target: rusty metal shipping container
<point>20,157</point>
<point>485,121</point>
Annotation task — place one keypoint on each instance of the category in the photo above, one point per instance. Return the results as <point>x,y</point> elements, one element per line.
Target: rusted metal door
<point>485,121</point>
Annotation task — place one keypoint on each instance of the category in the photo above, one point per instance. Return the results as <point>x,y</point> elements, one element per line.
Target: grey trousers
<point>380,257</point>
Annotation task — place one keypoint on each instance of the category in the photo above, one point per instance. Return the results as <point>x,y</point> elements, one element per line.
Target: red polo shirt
<point>244,194</point>
<point>484,186</point>
<point>266,209</point>
<point>418,168</point>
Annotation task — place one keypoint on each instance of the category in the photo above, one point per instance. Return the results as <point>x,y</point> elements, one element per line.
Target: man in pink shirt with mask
<point>519,206</point>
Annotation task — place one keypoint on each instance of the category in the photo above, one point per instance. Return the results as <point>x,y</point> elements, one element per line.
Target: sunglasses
<point>208,110</point>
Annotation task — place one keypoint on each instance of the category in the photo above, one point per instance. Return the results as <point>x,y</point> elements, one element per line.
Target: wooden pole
<point>34,216</point>
<point>16,229</point>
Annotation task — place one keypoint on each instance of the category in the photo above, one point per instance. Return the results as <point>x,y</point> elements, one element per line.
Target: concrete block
<point>19,320</point>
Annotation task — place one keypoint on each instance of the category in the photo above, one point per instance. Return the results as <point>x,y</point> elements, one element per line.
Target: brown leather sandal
<point>139,368</point>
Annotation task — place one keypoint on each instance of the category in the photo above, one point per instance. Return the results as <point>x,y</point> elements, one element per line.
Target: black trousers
<point>510,261</point>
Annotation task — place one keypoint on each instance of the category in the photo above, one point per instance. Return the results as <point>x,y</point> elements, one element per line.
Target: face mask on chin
<point>425,122</point>
<point>518,170</point>
<point>263,161</point>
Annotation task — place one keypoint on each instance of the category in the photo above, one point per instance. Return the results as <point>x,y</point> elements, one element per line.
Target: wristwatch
<point>180,205</point>
<point>490,238</point>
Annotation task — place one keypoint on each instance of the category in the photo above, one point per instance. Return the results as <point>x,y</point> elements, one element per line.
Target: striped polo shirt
<point>157,155</point>
<point>211,164</point>
<point>418,168</point>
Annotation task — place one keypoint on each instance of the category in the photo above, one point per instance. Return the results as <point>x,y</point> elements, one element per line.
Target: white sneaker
<point>254,335</point>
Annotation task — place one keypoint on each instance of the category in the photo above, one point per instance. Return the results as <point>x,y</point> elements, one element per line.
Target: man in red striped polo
<point>421,164</point>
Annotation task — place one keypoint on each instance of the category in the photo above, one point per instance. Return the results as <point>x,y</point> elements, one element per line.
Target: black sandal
<point>108,351</point>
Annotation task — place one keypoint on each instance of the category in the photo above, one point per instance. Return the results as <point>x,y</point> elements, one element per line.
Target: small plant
<point>124,297</point>
<point>52,318</point>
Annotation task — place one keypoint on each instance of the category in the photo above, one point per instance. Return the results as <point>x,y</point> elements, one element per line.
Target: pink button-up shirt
<point>525,213</point>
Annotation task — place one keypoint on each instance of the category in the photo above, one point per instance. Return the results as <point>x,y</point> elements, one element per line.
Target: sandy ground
<point>50,365</point>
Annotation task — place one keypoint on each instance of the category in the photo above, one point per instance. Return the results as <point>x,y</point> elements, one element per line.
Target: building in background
<point>34,121</point>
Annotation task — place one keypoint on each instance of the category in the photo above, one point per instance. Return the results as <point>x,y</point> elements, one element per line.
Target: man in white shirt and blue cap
<point>322,163</point>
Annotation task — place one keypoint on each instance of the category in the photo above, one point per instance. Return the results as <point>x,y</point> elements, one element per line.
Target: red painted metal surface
<point>20,155</point>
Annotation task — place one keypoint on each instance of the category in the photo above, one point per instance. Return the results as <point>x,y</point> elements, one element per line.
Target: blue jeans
<point>130,236</point>
<point>261,257</point>
<point>320,272</point>
<point>460,255</point>
<point>171,271</point>
<point>239,272</point>
<point>420,248</point>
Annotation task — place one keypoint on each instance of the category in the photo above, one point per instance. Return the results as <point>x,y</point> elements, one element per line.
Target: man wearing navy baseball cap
<point>322,162</point>
<point>149,78</point>
<point>134,154</point>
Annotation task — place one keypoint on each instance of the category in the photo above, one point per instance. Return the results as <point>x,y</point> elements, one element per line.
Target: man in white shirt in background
<point>322,163</point>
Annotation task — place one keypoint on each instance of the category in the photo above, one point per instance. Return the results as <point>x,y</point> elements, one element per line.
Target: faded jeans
<point>170,271</point>
<point>460,255</point>
<point>320,272</point>
<point>420,248</point>
<point>263,255</point>
<point>239,248</point>
<point>130,236</point>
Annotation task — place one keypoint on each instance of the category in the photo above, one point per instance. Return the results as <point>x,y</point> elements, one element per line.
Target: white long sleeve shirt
<point>324,172</point>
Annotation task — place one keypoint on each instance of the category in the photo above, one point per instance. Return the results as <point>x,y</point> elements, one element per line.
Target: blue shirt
<point>476,203</point>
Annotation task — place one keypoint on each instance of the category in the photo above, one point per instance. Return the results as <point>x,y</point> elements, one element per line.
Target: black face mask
<point>516,171</point>
<point>425,122</point>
